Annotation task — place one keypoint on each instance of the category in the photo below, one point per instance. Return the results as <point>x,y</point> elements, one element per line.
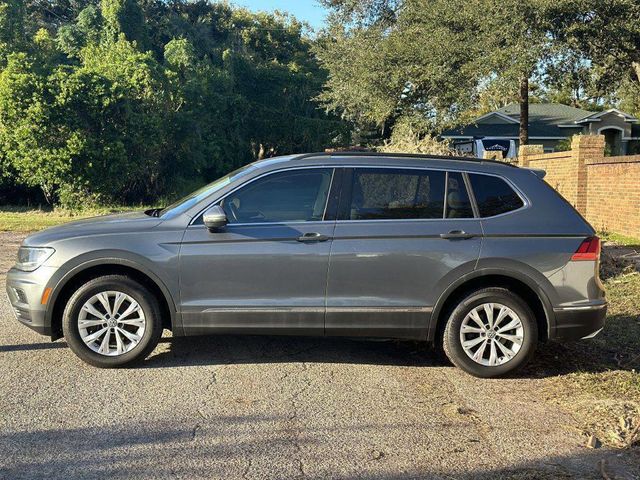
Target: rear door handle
<point>457,235</point>
<point>313,237</point>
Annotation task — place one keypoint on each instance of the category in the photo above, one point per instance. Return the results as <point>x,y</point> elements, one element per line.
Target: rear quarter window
<point>494,195</point>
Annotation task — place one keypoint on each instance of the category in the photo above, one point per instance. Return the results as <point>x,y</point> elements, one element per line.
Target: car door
<point>402,236</point>
<point>266,270</point>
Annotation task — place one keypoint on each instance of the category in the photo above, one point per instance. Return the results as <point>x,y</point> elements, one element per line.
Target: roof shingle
<point>544,119</point>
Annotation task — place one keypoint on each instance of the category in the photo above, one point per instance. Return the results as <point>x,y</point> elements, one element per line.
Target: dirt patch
<point>618,259</point>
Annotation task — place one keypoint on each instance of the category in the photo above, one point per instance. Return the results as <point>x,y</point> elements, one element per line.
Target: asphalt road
<point>267,407</point>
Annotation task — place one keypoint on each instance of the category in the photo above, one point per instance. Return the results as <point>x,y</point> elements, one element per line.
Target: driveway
<point>267,407</point>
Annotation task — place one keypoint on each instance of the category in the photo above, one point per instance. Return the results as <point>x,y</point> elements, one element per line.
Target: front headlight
<point>30,258</point>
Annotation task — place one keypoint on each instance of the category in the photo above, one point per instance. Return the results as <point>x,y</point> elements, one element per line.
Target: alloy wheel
<point>111,323</point>
<point>491,334</point>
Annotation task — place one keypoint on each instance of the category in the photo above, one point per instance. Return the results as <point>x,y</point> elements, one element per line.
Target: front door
<point>266,271</point>
<point>401,237</point>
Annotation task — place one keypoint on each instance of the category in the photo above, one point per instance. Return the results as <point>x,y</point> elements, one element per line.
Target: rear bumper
<point>575,323</point>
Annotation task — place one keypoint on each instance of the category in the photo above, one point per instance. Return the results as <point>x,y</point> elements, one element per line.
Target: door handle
<point>457,235</point>
<point>313,237</point>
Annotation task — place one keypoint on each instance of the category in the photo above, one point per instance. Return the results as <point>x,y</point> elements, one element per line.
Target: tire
<point>494,360</point>
<point>131,337</point>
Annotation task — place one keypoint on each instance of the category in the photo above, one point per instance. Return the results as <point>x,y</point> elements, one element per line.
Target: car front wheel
<point>112,321</point>
<point>490,333</point>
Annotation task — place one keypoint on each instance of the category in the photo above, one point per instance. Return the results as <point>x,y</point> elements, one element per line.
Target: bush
<point>121,106</point>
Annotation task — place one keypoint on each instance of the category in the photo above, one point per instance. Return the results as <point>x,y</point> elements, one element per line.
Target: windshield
<point>193,198</point>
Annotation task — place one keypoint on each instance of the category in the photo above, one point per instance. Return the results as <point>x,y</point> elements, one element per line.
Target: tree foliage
<point>449,60</point>
<point>433,57</point>
<point>128,101</point>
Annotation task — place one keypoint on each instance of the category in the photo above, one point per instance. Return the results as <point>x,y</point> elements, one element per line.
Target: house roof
<point>546,120</point>
<point>596,115</point>
<point>547,112</point>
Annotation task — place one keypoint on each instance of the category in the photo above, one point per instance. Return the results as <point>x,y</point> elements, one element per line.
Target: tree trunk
<point>524,111</point>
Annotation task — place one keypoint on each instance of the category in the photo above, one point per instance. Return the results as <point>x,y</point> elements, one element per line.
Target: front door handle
<point>313,237</point>
<point>457,235</point>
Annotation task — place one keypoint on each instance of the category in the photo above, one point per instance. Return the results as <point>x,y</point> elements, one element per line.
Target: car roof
<point>380,159</point>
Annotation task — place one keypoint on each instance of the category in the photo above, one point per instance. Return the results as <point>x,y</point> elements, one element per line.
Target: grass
<point>24,219</point>
<point>618,239</point>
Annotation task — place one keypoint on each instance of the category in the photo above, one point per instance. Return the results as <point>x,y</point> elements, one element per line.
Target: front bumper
<point>575,323</point>
<point>25,290</point>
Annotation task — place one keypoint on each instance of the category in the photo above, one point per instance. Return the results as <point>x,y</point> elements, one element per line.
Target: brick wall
<point>605,190</point>
<point>613,195</point>
<point>561,173</point>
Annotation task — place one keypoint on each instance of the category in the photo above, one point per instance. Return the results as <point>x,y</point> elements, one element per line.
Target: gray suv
<point>479,257</point>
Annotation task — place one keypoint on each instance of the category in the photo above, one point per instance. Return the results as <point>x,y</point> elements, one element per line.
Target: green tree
<point>607,34</point>
<point>123,17</point>
<point>129,101</point>
<point>12,27</point>
<point>85,30</point>
<point>438,58</point>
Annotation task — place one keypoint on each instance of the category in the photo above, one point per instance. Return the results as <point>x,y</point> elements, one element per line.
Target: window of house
<point>293,196</point>
<point>493,195</point>
<point>386,194</point>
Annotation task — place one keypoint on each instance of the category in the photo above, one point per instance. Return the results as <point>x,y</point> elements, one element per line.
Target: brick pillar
<point>583,149</point>
<point>526,151</point>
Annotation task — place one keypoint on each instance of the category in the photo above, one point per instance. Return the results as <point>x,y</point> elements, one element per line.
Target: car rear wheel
<point>112,321</point>
<point>490,333</point>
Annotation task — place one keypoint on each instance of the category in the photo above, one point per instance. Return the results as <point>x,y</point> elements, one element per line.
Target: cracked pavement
<point>268,407</point>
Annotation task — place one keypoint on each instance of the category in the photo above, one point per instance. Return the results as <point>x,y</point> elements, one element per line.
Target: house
<point>550,124</point>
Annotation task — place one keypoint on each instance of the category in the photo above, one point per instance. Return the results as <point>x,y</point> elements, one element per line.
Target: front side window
<point>385,194</point>
<point>293,196</point>
<point>493,195</point>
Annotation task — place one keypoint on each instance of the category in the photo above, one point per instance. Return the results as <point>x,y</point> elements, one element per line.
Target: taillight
<point>589,249</point>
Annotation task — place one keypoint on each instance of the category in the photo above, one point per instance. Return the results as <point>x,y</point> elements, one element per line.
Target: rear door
<point>402,236</point>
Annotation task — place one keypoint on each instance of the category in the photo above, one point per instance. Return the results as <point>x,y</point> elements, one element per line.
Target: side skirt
<point>388,322</point>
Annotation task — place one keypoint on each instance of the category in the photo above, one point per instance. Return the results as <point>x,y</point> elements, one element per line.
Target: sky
<point>307,10</point>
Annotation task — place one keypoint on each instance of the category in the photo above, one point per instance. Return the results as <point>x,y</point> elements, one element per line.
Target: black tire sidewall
<point>453,345</point>
<point>146,300</point>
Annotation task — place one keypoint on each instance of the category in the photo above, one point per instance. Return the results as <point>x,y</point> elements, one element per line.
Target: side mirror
<point>214,218</point>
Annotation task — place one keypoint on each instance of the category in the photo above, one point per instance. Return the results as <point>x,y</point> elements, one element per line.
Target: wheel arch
<point>107,266</point>
<point>527,288</point>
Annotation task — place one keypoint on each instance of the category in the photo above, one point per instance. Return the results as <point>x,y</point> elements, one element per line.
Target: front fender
<point>75,266</point>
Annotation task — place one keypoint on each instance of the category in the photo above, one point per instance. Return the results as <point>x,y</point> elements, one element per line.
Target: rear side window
<point>383,194</point>
<point>493,195</point>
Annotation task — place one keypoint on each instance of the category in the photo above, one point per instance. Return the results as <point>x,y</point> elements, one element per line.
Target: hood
<point>106,224</point>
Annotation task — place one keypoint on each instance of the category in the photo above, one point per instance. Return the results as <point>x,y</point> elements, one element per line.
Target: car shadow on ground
<point>235,349</point>
<point>25,347</point>
<point>551,358</point>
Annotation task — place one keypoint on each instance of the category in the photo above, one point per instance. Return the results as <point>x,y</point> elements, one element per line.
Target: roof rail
<point>351,153</point>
